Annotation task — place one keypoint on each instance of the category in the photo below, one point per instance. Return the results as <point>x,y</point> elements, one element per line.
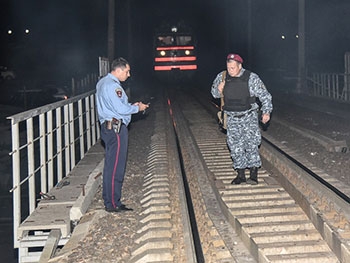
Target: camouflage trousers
<point>243,140</point>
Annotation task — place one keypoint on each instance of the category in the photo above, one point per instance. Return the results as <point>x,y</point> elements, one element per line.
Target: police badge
<point>119,92</point>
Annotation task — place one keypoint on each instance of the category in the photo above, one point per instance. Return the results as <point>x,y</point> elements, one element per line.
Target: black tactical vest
<point>236,93</point>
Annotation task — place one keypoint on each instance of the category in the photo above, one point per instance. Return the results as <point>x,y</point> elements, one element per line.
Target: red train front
<point>175,52</point>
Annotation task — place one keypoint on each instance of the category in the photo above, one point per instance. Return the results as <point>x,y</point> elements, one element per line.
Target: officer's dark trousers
<point>116,147</point>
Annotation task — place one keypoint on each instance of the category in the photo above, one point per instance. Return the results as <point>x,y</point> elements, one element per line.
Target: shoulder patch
<point>119,92</point>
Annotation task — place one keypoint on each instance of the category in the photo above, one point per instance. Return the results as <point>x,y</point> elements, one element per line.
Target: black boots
<point>240,177</point>
<point>253,179</point>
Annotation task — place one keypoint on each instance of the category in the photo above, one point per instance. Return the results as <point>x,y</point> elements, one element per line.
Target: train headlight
<point>162,53</point>
<point>187,52</point>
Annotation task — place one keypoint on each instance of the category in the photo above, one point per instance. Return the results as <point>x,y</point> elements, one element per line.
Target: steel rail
<point>313,174</point>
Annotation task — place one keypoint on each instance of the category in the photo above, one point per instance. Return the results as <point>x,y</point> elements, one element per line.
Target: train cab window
<point>184,40</point>
<point>165,40</point>
<point>174,40</point>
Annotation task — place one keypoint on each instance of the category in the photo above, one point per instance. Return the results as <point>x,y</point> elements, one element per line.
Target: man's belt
<point>243,115</point>
<point>113,124</point>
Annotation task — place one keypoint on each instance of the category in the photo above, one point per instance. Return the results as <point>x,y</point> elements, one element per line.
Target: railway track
<point>191,212</point>
<point>287,217</point>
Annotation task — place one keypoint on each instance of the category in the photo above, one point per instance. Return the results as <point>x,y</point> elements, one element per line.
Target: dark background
<point>66,37</point>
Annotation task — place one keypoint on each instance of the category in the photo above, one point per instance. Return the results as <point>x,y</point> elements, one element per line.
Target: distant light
<point>174,29</point>
<point>296,36</point>
<point>26,31</point>
<point>9,32</point>
<point>283,37</point>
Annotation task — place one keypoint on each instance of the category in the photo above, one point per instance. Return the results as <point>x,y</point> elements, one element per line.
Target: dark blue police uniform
<point>113,106</point>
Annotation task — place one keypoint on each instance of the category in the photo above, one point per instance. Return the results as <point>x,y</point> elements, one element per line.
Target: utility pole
<point>249,31</point>
<point>301,84</point>
<point>111,31</point>
<point>227,27</point>
<point>130,43</point>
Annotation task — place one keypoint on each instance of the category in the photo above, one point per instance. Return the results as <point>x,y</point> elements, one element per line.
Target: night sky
<point>66,37</point>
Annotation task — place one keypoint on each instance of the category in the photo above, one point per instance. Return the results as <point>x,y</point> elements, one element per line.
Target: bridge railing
<point>47,142</point>
<point>331,85</point>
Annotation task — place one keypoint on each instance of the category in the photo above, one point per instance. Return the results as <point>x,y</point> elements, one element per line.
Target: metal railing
<point>47,143</point>
<point>331,85</point>
<point>80,85</point>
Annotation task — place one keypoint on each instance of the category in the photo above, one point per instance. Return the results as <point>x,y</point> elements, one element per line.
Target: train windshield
<point>170,40</point>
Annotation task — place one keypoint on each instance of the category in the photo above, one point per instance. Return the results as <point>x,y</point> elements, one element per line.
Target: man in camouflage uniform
<point>239,88</point>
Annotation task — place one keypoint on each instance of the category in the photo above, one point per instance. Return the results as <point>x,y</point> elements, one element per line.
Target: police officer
<point>114,113</point>
<point>239,88</point>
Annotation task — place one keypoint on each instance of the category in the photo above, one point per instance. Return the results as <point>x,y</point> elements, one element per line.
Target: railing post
<point>328,85</point>
<point>31,165</point>
<point>81,128</point>
<point>71,136</point>
<point>59,143</point>
<point>346,89</point>
<point>66,138</point>
<point>319,84</point>
<point>93,118</point>
<point>16,178</point>
<point>43,175</point>
<point>88,122</point>
<point>323,84</point>
<point>315,77</point>
<point>50,149</point>
<point>336,85</point>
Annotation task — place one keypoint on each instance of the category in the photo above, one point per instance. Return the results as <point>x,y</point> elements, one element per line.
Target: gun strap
<point>222,93</point>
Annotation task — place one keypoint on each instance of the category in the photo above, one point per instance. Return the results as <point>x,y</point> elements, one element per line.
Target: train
<point>175,54</point>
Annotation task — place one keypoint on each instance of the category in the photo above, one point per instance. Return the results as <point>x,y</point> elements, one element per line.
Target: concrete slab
<point>46,218</point>
<point>87,194</point>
